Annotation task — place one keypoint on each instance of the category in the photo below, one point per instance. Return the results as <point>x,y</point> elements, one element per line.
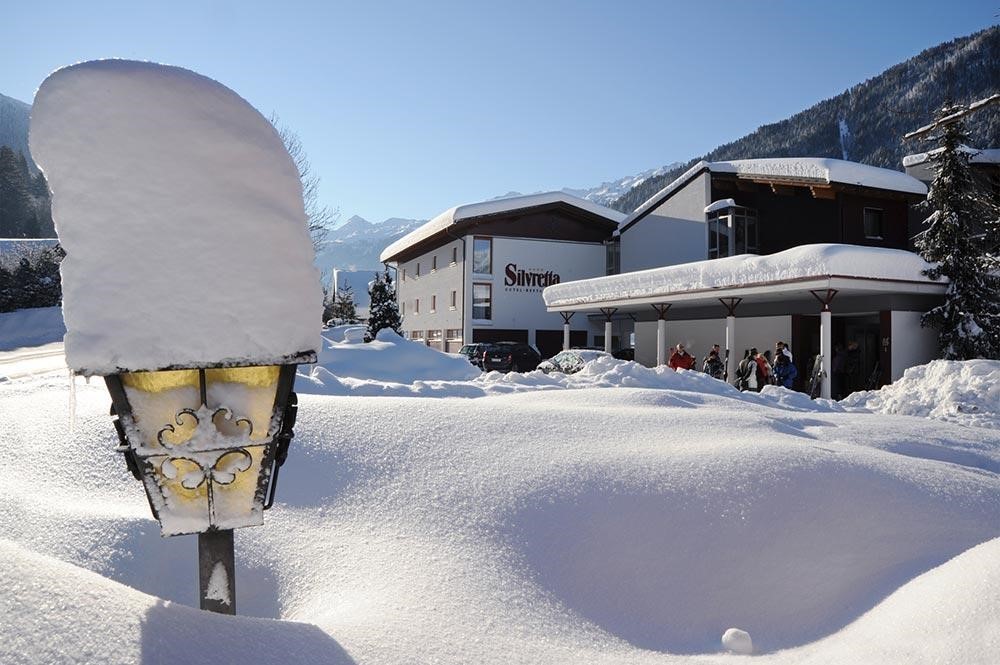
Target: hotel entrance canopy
<point>800,280</point>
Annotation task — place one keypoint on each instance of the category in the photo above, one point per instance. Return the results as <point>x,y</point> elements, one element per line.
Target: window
<point>873,223</point>
<point>454,255</point>
<point>612,258</point>
<point>434,263</point>
<point>403,311</point>
<point>482,301</point>
<point>434,304</point>
<point>417,335</point>
<point>404,275</point>
<point>416,306</point>
<point>435,336</point>
<point>454,299</point>
<point>454,334</point>
<point>482,256</point>
<point>732,231</point>
<point>418,269</point>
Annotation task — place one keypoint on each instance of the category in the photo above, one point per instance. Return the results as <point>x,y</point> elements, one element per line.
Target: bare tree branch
<point>321,217</point>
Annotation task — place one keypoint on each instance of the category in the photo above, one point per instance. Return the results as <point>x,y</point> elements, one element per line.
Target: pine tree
<point>384,310</point>
<point>15,204</point>
<point>958,236</point>
<point>6,290</point>
<point>344,310</point>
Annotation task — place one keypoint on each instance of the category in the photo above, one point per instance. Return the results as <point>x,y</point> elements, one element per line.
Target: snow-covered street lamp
<point>188,285</point>
<point>207,444</point>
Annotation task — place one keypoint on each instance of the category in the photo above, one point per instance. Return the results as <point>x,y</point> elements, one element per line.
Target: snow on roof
<point>494,207</point>
<point>976,156</point>
<point>820,169</point>
<point>182,219</point>
<point>824,170</point>
<point>721,204</point>
<point>657,198</point>
<point>821,260</point>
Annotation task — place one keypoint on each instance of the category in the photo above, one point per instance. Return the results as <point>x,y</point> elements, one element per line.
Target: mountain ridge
<point>866,122</point>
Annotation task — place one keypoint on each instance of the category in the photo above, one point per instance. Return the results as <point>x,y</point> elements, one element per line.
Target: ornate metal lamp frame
<point>230,455</point>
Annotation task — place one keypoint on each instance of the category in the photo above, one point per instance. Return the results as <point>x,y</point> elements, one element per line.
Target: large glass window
<point>482,301</point>
<point>732,231</point>
<point>482,256</point>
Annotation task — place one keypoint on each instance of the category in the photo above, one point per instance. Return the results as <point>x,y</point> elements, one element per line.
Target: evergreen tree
<point>344,310</point>
<point>15,203</point>
<point>25,281</point>
<point>384,310</point>
<point>40,186</point>
<point>958,237</point>
<point>6,290</point>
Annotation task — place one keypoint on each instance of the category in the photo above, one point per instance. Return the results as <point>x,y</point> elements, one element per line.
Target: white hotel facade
<point>475,273</point>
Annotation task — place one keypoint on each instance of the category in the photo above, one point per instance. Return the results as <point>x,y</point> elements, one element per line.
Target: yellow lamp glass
<point>205,440</point>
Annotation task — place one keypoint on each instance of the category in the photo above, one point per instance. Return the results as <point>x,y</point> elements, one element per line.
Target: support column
<point>217,572</point>
<point>731,360</point>
<point>608,312</point>
<point>566,316</point>
<point>661,333</point>
<point>825,339</point>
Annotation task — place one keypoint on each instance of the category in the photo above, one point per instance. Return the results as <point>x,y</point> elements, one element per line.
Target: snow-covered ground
<point>621,515</point>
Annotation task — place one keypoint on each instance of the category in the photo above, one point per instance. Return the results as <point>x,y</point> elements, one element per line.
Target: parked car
<point>475,352</point>
<point>511,357</point>
<point>624,354</point>
<point>572,361</point>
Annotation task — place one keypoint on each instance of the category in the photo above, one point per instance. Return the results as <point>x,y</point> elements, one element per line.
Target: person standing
<point>746,373</point>
<point>763,369</point>
<point>714,366</point>
<point>681,359</point>
<point>784,371</point>
<point>782,348</point>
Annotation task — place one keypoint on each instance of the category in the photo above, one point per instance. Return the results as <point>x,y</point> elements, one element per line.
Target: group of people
<point>755,371</point>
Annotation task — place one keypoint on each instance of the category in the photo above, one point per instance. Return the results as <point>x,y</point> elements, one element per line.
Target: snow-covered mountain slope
<point>356,244</point>
<point>608,192</point>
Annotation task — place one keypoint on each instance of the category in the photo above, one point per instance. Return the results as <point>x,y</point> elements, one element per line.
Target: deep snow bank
<point>344,365</point>
<point>589,525</point>
<point>966,392</point>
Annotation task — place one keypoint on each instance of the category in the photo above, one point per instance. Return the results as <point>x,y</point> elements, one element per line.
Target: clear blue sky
<point>408,108</point>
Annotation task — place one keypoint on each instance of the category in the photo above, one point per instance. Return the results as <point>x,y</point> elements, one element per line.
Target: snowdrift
<point>966,392</point>
<point>634,525</point>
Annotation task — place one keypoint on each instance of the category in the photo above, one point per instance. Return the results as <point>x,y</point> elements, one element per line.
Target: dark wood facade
<point>553,221</point>
<point>790,215</point>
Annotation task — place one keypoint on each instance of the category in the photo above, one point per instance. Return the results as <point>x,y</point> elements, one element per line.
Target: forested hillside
<point>867,122</point>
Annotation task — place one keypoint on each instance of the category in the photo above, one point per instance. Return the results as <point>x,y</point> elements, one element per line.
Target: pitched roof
<point>452,216</point>
<point>792,169</point>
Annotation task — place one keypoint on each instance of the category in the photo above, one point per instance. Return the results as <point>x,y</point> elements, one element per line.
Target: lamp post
<point>207,444</point>
<point>188,285</point>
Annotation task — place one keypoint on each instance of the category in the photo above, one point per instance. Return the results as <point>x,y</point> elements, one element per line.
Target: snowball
<point>737,641</point>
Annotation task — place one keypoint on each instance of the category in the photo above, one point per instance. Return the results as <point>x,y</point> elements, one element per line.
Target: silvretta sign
<point>519,279</point>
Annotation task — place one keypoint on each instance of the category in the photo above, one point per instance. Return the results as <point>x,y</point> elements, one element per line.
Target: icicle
<point>72,402</point>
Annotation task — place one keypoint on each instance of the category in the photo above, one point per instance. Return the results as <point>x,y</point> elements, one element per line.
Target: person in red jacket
<point>763,371</point>
<point>681,359</point>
